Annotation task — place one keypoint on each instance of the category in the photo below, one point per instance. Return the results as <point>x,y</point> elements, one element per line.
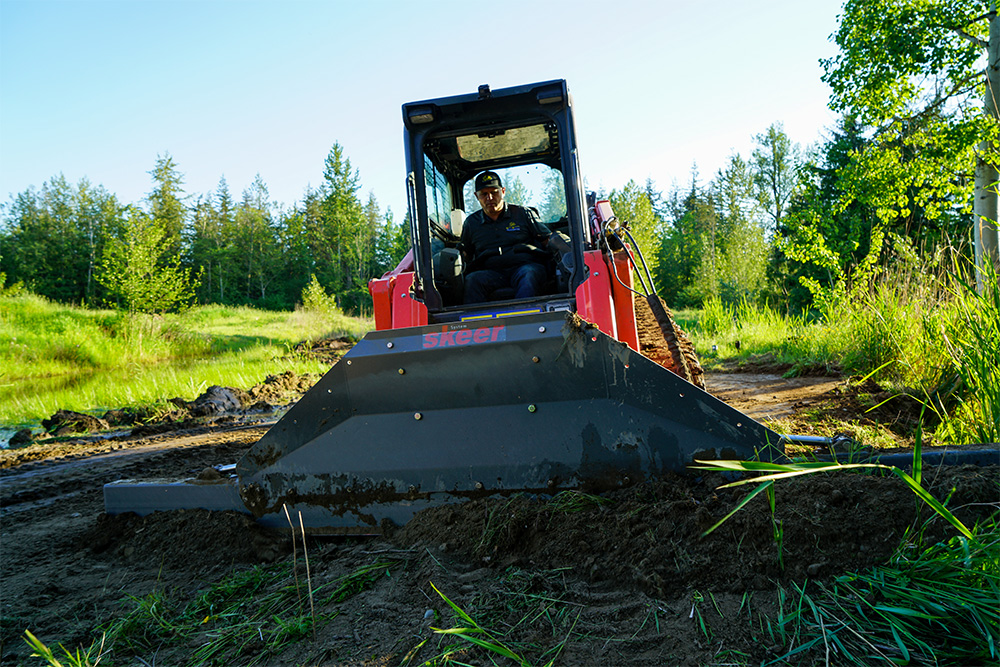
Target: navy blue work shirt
<point>514,238</point>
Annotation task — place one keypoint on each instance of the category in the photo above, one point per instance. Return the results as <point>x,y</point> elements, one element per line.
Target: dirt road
<point>625,581</point>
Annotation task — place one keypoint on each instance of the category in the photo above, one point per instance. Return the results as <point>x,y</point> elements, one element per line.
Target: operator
<point>504,244</point>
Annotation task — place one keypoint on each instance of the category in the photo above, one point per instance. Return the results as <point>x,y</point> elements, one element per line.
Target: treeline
<point>788,225</point>
<point>81,244</point>
<point>910,168</point>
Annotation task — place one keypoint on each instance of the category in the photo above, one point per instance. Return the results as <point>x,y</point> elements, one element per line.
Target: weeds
<point>576,501</point>
<point>930,606</point>
<point>243,619</point>
<point>915,327</point>
<point>475,635</point>
<point>81,658</point>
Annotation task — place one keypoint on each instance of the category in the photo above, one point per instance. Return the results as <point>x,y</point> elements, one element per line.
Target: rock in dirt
<point>216,400</point>
<point>67,422</point>
<point>22,438</point>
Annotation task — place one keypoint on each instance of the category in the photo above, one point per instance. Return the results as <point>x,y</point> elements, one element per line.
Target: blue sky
<point>100,89</point>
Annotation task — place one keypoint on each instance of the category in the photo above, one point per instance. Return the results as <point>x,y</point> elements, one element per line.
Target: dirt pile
<point>625,578</point>
<point>650,537</point>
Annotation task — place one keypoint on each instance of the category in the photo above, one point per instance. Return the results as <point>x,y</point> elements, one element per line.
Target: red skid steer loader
<point>447,401</point>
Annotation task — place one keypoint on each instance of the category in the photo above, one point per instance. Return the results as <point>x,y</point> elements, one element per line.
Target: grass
<point>926,606</point>
<point>479,643</point>
<point>243,619</point>
<point>62,357</point>
<point>916,329</point>
<point>929,605</point>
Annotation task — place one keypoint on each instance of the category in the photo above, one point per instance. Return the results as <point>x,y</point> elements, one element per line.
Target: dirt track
<point>625,581</point>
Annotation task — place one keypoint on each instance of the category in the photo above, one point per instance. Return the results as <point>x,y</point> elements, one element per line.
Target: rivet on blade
<point>417,416</point>
<point>389,344</point>
<point>535,359</point>
<point>402,371</point>
<point>532,408</point>
<point>479,486</point>
<point>541,329</point>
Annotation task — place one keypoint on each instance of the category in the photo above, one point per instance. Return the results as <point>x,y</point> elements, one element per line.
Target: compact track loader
<point>447,401</point>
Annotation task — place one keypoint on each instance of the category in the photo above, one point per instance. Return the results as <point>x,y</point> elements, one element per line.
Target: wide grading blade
<point>413,418</point>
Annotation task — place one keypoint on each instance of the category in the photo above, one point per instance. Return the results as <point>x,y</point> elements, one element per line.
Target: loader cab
<point>526,135</point>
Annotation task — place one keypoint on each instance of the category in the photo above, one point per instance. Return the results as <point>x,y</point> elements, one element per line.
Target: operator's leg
<point>528,280</point>
<point>480,284</point>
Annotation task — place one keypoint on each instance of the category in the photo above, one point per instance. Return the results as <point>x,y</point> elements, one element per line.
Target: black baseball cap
<point>487,179</point>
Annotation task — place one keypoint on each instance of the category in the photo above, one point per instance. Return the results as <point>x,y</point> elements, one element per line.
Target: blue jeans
<point>526,280</point>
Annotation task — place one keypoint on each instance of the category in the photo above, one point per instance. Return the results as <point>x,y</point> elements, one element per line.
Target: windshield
<point>536,185</point>
<point>500,144</point>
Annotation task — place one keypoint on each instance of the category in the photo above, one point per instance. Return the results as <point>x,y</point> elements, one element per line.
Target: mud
<point>626,578</point>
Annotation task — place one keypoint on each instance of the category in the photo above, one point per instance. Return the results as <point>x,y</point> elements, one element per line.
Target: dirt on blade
<point>625,578</point>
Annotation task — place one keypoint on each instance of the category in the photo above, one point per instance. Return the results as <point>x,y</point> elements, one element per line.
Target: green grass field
<point>931,336</point>
<point>61,357</point>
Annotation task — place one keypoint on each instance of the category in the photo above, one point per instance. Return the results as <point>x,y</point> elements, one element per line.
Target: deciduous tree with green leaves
<point>922,74</point>
<point>138,272</point>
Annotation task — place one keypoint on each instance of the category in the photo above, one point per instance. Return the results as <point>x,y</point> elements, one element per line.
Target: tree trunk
<point>985,205</point>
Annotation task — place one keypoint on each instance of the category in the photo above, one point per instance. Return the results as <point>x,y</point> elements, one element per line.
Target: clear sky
<point>232,88</point>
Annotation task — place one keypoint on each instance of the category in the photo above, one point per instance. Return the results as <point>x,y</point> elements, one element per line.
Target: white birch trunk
<point>985,204</point>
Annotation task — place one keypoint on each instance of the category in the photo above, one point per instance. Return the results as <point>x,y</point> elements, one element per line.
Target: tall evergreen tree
<point>342,222</point>
<point>166,202</point>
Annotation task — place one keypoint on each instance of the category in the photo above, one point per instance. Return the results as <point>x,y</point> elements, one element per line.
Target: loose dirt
<point>624,579</point>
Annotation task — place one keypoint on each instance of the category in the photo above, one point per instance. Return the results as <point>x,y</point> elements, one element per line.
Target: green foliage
<point>250,252</point>
<point>714,243</point>
<point>929,605</point>
<point>51,239</point>
<point>316,300</point>
<point>81,658</point>
<point>166,204</point>
<point>242,619</point>
<point>918,328</point>
<point>908,75</point>
<point>54,356</point>
<point>633,207</point>
<point>136,270</point>
<point>774,165</point>
<point>972,338</point>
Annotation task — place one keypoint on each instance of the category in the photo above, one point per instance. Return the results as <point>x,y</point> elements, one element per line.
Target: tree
<point>553,197</point>
<point>632,206</point>
<point>166,202</point>
<point>740,246</point>
<point>138,272</point>
<point>517,192</point>
<point>774,168</point>
<point>52,238</point>
<point>342,222</point>
<point>256,244</point>
<point>912,71</point>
